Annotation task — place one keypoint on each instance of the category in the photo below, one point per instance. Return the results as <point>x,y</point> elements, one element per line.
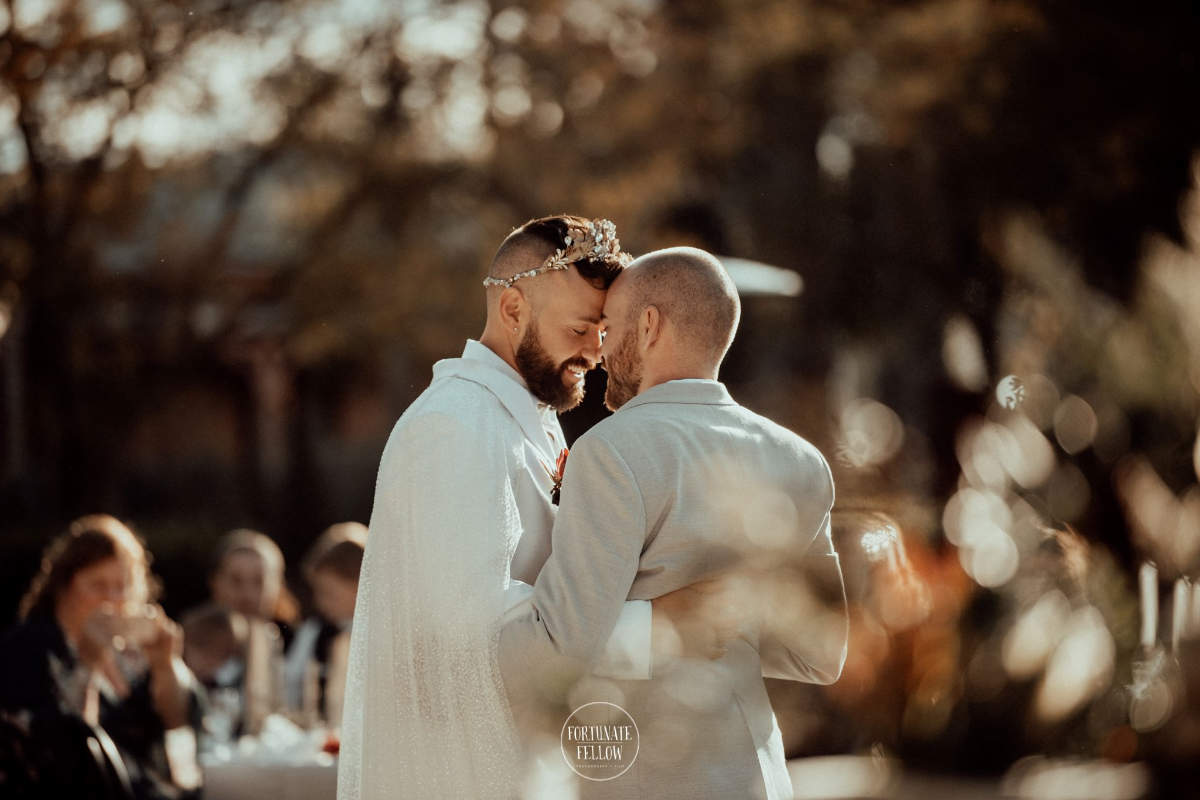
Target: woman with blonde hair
<point>247,577</point>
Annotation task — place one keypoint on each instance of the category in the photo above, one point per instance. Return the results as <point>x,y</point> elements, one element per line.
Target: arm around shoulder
<point>581,591</point>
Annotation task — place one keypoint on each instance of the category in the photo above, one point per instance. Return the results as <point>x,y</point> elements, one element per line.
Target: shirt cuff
<point>627,654</point>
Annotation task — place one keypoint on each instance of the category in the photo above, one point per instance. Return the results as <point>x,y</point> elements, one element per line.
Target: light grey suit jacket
<point>679,485</point>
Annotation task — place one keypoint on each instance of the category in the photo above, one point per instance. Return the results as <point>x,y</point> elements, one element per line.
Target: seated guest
<point>214,645</point>
<point>316,660</point>
<point>214,648</point>
<point>90,658</point>
<point>247,577</point>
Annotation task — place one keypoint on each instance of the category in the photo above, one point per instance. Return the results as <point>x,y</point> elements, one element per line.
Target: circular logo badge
<point>600,741</point>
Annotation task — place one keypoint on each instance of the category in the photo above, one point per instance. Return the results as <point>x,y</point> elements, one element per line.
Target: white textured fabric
<point>425,713</point>
<point>462,488</point>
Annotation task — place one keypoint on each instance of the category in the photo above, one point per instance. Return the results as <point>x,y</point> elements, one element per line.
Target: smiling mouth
<point>576,372</point>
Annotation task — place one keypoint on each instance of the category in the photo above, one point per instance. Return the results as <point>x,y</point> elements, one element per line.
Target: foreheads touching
<point>564,263</point>
<point>546,289</point>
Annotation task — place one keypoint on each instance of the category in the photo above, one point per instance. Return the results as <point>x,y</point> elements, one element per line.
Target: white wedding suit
<point>460,526</point>
<point>681,484</point>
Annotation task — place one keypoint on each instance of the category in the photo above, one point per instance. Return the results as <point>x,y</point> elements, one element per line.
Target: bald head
<point>692,291</point>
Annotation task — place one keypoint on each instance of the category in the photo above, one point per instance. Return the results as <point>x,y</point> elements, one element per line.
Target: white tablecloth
<point>264,781</point>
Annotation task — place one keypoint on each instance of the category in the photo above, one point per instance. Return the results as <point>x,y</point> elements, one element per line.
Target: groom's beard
<point>624,368</point>
<point>547,381</point>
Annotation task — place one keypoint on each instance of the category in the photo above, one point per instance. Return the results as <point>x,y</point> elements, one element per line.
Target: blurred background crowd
<point>236,234</point>
<point>94,658</point>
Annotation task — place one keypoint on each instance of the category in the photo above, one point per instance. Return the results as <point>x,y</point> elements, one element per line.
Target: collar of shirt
<point>477,351</point>
<point>691,391</point>
<point>481,363</point>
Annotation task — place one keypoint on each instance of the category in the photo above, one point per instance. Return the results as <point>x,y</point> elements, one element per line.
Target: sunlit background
<point>235,235</point>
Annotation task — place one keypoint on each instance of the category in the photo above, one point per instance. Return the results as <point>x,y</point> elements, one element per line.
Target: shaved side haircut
<point>532,243</point>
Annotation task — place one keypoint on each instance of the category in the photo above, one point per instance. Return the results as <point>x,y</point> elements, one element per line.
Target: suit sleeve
<point>579,594</point>
<point>627,654</point>
<point>805,627</point>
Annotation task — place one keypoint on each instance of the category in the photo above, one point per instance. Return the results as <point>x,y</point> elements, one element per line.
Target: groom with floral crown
<point>464,505</point>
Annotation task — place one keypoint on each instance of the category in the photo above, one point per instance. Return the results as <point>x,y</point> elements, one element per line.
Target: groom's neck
<point>499,345</point>
<point>653,377</point>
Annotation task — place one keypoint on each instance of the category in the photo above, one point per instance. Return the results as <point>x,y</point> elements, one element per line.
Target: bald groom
<point>683,484</point>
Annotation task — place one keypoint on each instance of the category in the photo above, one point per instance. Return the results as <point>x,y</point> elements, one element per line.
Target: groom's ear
<point>513,307</point>
<point>650,326</point>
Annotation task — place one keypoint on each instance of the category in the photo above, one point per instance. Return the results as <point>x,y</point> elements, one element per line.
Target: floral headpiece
<point>596,241</point>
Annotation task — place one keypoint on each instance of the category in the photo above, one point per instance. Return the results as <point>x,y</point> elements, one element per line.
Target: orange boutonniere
<point>556,474</point>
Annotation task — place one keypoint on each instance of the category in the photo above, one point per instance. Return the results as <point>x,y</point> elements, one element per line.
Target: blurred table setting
<point>283,760</point>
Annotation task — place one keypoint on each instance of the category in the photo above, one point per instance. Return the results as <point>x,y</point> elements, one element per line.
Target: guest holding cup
<point>93,656</point>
